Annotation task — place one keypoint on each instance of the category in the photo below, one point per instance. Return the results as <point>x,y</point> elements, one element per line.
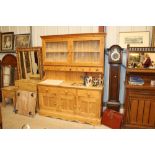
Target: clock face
<point>115,54</point>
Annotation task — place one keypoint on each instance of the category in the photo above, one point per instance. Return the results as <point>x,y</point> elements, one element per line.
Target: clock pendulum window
<point>115,60</point>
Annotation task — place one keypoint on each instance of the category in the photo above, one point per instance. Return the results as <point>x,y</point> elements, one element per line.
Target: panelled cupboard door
<point>88,104</point>
<point>67,103</point>
<point>88,52</point>
<point>67,100</point>
<point>56,51</point>
<point>48,101</point>
<point>141,111</point>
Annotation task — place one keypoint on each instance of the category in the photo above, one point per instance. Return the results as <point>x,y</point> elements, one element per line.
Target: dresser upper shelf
<point>74,49</point>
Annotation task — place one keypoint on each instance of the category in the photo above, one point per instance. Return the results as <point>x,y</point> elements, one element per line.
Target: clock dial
<point>115,55</point>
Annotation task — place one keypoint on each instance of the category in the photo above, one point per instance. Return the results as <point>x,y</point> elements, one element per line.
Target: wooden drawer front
<point>141,111</point>
<point>46,89</point>
<point>56,90</point>
<point>97,69</point>
<point>89,93</point>
<point>67,91</point>
<point>27,86</point>
<point>143,94</point>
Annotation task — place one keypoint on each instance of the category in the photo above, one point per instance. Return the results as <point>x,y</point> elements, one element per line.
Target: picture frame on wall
<point>134,39</point>
<point>22,41</point>
<point>7,41</point>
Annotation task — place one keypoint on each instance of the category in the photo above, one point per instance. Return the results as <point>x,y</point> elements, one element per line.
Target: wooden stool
<point>9,92</point>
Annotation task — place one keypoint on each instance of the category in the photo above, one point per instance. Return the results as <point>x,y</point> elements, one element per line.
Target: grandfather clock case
<point>115,60</point>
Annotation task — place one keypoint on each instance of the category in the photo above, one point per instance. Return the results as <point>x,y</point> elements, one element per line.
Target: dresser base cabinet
<point>139,109</point>
<point>70,104</point>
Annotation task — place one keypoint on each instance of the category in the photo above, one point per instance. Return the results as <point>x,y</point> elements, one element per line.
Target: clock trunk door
<point>114,83</point>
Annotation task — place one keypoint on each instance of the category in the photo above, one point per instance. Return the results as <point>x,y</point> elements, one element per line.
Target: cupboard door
<point>88,107</point>
<point>88,103</point>
<point>141,111</point>
<point>48,101</point>
<point>56,52</point>
<point>87,52</point>
<point>67,100</point>
<point>67,103</point>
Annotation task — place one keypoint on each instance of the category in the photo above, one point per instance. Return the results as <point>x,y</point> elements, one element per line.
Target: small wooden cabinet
<point>70,58</point>
<point>140,96</point>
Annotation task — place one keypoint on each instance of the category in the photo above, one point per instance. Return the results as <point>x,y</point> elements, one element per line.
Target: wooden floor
<point>11,120</point>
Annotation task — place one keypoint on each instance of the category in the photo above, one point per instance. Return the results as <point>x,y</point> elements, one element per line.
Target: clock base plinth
<point>114,106</point>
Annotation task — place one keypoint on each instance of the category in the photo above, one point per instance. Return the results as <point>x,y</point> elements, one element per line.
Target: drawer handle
<point>46,89</point>
<point>88,95</point>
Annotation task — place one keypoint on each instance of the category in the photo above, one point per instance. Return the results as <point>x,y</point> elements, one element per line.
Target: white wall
<point>38,31</point>
<point>15,29</point>
<point>113,32</point>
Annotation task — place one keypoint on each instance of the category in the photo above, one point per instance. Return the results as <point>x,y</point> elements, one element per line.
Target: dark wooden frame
<point>12,41</point>
<point>19,35</point>
<point>8,59</point>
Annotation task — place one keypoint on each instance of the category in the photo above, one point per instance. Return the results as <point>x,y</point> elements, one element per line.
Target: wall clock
<point>115,60</point>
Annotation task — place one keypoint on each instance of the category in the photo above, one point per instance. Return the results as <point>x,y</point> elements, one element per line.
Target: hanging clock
<point>115,54</point>
<point>115,60</point>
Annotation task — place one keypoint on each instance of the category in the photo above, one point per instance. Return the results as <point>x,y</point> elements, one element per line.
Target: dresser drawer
<point>66,91</point>
<point>88,93</point>
<point>46,89</point>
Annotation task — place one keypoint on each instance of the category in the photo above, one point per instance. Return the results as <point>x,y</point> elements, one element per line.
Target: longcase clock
<point>115,60</point>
